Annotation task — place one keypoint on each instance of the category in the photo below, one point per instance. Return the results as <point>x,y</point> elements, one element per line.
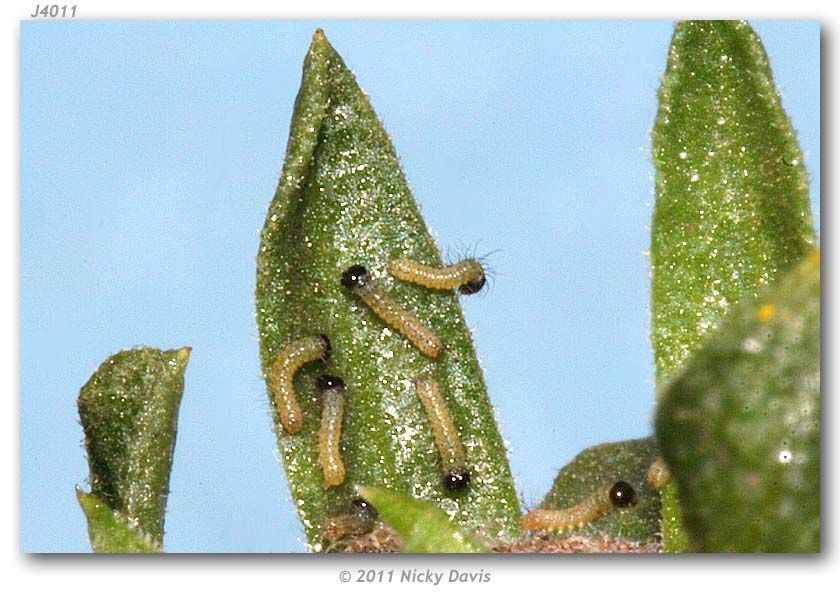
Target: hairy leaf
<point>129,412</point>
<point>343,200</point>
<point>732,208</point>
<point>740,425</point>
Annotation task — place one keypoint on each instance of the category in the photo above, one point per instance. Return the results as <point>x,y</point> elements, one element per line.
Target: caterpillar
<point>329,436</point>
<point>357,280</point>
<point>658,474</point>
<point>466,275</point>
<point>358,521</point>
<point>456,475</point>
<point>619,495</point>
<point>281,376</point>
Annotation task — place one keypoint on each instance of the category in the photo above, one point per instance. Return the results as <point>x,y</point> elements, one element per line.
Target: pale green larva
<point>357,280</point>
<point>620,495</point>
<point>456,475</point>
<point>466,275</point>
<point>329,435</point>
<point>281,377</point>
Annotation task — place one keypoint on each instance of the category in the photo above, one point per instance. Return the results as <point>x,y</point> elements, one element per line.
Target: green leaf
<point>673,531</point>
<point>110,532</point>
<point>343,200</point>
<point>423,527</point>
<point>740,424</point>
<point>603,465</point>
<point>129,413</point>
<point>732,208</point>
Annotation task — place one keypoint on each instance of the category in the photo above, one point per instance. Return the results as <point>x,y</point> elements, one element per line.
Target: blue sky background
<point>149,153</point>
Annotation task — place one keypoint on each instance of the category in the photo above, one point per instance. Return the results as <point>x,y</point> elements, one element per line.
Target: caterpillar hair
<point>466,275</point>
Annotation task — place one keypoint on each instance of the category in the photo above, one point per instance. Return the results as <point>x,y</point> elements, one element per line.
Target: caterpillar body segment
<point>453,458</point>
<point>329,435</point>
<point>570,518</point>
<point>357,280</point>
<point>466,275</point>
<point>619,495</point>
<point>281,376</point>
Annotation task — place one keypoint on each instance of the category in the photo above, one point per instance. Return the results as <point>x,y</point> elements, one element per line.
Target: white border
<point>287,576</point>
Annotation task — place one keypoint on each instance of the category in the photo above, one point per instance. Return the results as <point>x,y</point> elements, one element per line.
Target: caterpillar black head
<point>360,520</point>
<point>363,511</point>
<point>622,495</point>
<point>354,277</point>
<point>330,382</point>
<point>474,286</point>
<point>456,481</point>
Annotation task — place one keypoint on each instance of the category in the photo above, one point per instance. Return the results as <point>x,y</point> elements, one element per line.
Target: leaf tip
<point>184,354</point>
<point>319,38</point>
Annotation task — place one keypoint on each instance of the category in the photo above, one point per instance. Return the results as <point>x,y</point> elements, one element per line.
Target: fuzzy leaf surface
<point>343,200</point>
<point>732,208</point>
<point>740,425</point>
<point>129,413</point>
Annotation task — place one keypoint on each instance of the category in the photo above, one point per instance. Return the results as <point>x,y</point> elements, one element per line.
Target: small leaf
<point>740,425</point>
<point>343,200</point>
<point>603,465</point>
<point>110,532</point>
<point>129,412</point>
<point>423,527</point>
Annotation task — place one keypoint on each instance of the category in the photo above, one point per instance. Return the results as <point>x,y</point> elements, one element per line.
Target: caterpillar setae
<point>358,521</point>
<point>456,475</point>
<point>466,275</point>
<point>620,495</point>
<point>357,280</point>
<point>658,474</point>
<point>329,436</point>
<point>281,376</point>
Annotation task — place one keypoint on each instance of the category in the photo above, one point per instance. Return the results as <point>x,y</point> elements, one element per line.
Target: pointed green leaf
<point>423,527</point>
<point>603,465</point>
<point>732,208</point>
<point>740,424</point>
<point>110,532</point>
<point>343,200</point>
<point>129,412</point>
